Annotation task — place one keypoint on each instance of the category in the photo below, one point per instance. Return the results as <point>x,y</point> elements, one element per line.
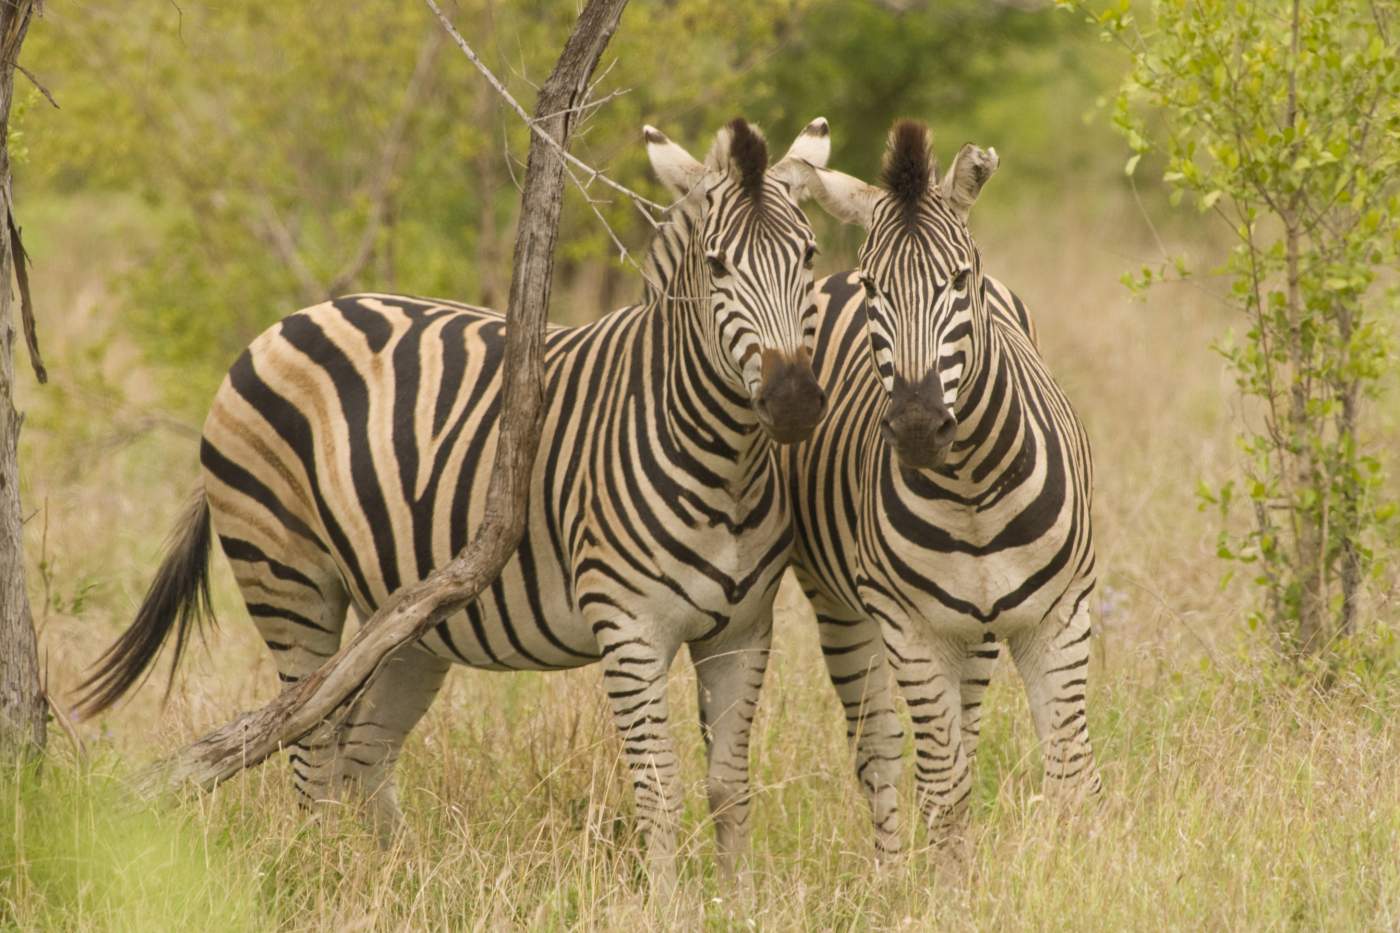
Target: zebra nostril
<point>947,427</point>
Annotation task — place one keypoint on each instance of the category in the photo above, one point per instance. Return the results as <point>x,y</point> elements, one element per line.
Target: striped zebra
<point>943,504</point>
<point>346,455</point>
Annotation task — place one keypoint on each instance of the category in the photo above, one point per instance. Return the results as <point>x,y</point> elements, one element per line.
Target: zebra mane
<point>748,157</point>
<point>908,168</point>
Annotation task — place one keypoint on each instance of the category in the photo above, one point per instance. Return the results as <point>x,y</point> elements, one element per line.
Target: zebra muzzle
<point>789,402</point>
<point>918,425</point>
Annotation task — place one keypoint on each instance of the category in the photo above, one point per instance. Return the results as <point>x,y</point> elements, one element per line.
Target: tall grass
<point>1235,797</point>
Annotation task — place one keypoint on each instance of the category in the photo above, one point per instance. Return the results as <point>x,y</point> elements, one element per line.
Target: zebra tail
<point>178,598</point>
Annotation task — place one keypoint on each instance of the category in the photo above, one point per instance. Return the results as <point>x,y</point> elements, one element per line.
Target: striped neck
<point>989,407</point>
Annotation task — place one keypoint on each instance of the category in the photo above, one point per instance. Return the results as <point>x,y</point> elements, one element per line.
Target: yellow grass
<point>1234,798</point>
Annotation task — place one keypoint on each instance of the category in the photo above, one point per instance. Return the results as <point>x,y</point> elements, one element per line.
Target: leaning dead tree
<point>22,703</point>
<point>253,737</point>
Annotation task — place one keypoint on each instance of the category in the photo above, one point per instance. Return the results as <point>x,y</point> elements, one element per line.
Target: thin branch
<point>282,240</point>
<point>419,84</point>
<point>26,303</point>
<point>593,174</point>
<point>409,613</point>
<point>35,81</point>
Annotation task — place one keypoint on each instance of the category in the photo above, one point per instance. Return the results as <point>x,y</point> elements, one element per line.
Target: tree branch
<point>251,738</point>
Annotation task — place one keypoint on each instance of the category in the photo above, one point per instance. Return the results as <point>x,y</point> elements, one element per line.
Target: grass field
<point>1236,798</point>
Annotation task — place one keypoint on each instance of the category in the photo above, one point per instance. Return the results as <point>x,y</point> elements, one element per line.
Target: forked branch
<point>254,736</point>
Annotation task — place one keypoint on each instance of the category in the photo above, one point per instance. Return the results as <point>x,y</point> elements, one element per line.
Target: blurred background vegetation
<point>259,156</point>
<point>215,165</point>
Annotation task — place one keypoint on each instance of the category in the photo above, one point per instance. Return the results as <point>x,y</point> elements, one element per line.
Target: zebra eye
<point>960,280</point>
<point>717,267</point>
<point>869,288</point>
<point>811,256</point>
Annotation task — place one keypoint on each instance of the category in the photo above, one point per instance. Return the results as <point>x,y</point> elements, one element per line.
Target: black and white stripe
<point>943,506</point>
<point>346,455</point>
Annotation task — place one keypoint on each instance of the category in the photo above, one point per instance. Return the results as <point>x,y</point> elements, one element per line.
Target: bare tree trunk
<point>1310,538</point>
<point>22,707</point>
<point>254,736</point>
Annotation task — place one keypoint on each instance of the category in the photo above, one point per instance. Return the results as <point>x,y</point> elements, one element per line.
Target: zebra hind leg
<point>1054,663</point>
<point>300,619</point>
<point>374,731</point>
<point>729,678</point>
<point>854,651</point>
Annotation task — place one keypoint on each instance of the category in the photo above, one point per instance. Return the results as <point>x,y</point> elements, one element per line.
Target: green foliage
<point>76,852</point>
<point>286,154</point>
<point>1284,123</point>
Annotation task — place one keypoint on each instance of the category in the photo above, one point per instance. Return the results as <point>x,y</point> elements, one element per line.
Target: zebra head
<point>748,264</point>
<point>922,275</point>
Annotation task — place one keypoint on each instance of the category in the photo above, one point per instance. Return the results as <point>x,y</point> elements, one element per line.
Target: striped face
<point>922,276</point>
<point>758,257</point>
<point>749,261</point>
<point>923,289</point>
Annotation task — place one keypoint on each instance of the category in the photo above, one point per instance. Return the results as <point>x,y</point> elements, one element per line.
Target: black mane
<point>748,153</point>
<point>908,167</point>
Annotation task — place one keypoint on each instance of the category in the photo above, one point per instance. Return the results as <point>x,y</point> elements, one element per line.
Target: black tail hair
<point>178,598</point>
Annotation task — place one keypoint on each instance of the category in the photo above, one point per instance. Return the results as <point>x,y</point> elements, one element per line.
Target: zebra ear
<point>843,196</point>
<point>970,170</point>
<point>809,151</point>
<point>677,169</point>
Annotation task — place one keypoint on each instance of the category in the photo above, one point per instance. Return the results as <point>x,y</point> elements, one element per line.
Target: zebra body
<point>943,506</point>
<point>346,455</point>
<point>602,482</point>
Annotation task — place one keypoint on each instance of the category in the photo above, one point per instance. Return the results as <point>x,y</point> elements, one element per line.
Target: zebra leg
<point>374,731</point>
<point>978,665</point>
<point>1054,663</point>
<point>730,677</point>
<point>928,669</point>
<point>300,620</point>
<point>635,668</point>
<point>856,662</point>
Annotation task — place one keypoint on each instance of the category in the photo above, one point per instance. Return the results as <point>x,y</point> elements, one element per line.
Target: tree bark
<point>251,738</point>
<point>22,705</point>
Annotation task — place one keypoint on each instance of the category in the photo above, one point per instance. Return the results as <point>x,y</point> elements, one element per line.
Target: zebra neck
<point>990,410</point>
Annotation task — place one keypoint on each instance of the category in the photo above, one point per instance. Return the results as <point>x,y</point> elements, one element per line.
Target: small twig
<point>587,105</point>
<point>61,717</point>
<point>35,81</point>
<point>419,84</point>
<point>500,89</point>
<point>285,243</point>
<point>26,303</point>
<point>66,724</point>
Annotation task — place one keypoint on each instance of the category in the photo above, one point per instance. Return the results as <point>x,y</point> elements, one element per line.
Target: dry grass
<point>1235,799</point>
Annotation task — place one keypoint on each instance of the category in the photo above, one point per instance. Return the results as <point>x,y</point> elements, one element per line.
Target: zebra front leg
<point>729,677</point>
<point>978,665</point>
<point>1053,660</point>
<point>635,668</point>
<point>856,662</point>
<point>928,669</point>
<point>375,729</point>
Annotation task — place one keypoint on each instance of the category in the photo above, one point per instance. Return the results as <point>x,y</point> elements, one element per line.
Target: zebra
<point>345,455</point>
<point>943,506</point>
